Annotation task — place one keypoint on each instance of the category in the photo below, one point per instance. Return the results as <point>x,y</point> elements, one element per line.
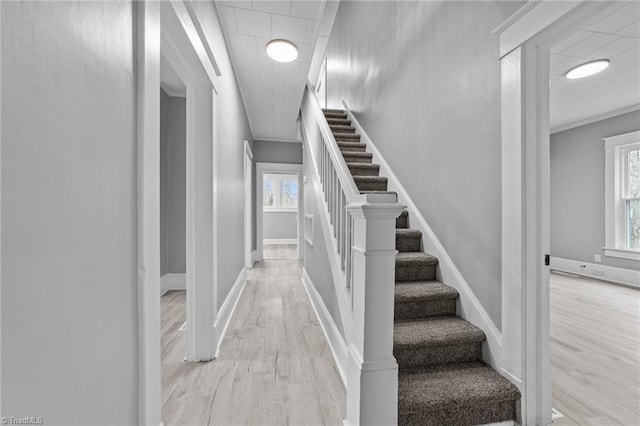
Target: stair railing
<point>361,232</point>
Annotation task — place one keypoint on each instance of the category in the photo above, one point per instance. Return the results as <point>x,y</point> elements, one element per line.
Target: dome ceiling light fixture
<point>282,50</point>
<point>587,69</point>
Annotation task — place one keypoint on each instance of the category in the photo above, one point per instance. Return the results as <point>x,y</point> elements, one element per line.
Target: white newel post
<point>372,377</point>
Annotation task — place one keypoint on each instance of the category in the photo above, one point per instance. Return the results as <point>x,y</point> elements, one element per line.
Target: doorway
<point>278,211</point>
<point>173,225</point>
<point>525,40</point>
<point>164,29</point>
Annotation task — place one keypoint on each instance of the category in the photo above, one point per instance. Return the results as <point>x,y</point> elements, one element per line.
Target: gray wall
<point>233,129</point>
<point>280,225</point>
<point>423,78</point>
<point>69,279</point>
<point>69,207</point>
<point>316,262</point>
<point>277,152</point>
<point>173,183</point>
<point>577,189</point>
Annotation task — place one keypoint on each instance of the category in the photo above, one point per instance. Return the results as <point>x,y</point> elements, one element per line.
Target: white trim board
<point>627,277</point>
<point>469,307</point>
<point>147,18</point>
<point>228,308</point>
<point>336,342</point>
<point>272,241</point>
<point>595,119</point>
<point>173,282</point>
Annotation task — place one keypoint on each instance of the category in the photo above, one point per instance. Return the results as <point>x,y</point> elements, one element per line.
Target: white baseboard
<point>334,338</point>
<point>469,307</point>
<point>173,282</point>
<point>268,241</point>
<point>627,277</point>
<point>228,307</point>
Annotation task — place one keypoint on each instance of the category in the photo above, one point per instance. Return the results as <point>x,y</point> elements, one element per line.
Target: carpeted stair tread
<point>413,258</point>
<point>379,192</point>
<point>415,266</point>
<point>364,169</point>
<point>357,157</point>
<point>409,233</point>
<point>350,137</point>
<point>436,331</point>
<point>332,110</point>
<point>408,240</point>
<point>336,128</point>
<point>425,291</point>
<point>371,183</point>
<point>352,146</point>
<point>402,221</point>
<point>339,121</point>
<point>452,386</point>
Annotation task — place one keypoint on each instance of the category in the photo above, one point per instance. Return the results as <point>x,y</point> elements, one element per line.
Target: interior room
<point>595,225</point>
<point>280,216</point>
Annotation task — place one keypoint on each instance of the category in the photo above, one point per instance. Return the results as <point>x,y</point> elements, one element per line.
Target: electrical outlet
<point>597,258</point>
<point>598,273</point>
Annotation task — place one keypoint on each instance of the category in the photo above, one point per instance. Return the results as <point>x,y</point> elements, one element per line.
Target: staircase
<point>442,379</point>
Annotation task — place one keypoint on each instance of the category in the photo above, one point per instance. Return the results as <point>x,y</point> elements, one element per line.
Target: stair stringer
<point>337,275</point>
<point>468,306</point>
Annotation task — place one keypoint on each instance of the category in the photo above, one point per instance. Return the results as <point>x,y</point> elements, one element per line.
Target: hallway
<point>274,366</point>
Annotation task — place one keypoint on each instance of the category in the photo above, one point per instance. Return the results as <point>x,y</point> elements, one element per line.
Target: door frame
<point>525,41</point>
<point>171,24</point>
<point>248,201</point>
<point>261,169</point>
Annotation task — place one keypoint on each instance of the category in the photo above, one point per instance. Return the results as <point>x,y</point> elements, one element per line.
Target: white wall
<point>277,152</point>
<point>233,129</point>
<point>280,225</point>
<point>423,78</point>
<point>577,190</point>
<point>69,309</point>
<point>173,183</point>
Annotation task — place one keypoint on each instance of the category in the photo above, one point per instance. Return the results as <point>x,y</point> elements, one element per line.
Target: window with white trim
<point>280,192</point>
<point>622,196</point>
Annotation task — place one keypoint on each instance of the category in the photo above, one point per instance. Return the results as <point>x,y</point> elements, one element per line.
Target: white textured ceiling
<point>615,37</point>
<point>271,91</point>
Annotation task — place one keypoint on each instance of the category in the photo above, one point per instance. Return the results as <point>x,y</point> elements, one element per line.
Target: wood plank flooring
<point>274,367</point>
<point>280,251</point>
<point>595,352</point>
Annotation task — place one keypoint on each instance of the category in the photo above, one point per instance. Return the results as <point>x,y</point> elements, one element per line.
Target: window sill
<point>622,253</point>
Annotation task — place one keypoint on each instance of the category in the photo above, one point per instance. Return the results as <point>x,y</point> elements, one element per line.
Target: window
<point>622,196</point>
<point>631,198</point>
<point>280,192</point>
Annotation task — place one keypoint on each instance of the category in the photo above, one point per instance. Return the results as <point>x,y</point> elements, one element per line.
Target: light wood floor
<point>595,352</point>
<point>274,368</point>
<point>280,251</point>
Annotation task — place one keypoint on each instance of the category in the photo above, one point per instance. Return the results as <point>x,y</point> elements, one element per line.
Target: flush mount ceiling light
<point>587,69</point>
<point>282,50</point>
